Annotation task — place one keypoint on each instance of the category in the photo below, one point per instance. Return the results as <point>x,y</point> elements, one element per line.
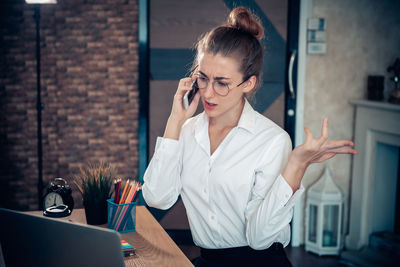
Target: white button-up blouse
<point>234,197</point>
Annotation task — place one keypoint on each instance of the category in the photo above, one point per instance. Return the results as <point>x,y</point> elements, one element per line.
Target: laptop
<point>29,240</point>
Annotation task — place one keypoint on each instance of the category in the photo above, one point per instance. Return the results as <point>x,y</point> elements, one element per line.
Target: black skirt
<point>243,256</point>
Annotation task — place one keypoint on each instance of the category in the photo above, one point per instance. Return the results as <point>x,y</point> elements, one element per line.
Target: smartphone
<point>188,97</point>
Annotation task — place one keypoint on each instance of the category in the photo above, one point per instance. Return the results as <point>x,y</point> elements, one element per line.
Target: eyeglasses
<point>219,87</point>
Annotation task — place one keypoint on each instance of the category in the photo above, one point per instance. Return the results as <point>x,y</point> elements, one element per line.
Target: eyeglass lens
<point>219,87</point>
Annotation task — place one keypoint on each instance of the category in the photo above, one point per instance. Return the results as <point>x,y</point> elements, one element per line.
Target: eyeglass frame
<point>212,84</point>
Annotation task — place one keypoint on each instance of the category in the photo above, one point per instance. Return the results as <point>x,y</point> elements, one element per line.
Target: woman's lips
<point>209,105</point>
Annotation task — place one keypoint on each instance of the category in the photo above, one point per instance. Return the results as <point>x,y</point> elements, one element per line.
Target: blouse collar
<point>246,121</point>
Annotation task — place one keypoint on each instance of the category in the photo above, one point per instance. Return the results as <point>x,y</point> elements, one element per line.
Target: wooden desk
<point>153,245</point>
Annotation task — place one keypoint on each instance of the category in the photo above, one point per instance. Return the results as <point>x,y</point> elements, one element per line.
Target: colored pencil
<point>119,202</point>
<point>126,210</point>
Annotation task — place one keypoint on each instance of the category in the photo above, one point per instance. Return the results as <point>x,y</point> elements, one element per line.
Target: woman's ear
<point>250,84</point>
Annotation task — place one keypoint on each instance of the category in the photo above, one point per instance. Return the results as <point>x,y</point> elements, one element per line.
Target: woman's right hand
<point>179,114</point>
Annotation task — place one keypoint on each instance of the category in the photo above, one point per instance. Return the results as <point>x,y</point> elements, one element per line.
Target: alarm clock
<point>58,193</point>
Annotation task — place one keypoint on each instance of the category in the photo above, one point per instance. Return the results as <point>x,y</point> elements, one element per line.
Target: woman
<point>233,168</point>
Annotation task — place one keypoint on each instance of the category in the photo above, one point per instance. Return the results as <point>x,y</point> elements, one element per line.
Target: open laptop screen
<point>29,240</point>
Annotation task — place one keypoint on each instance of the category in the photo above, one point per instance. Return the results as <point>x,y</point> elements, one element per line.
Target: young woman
<point>233,167</point>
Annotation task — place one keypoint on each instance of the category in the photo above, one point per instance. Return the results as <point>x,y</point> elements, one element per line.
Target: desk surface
<point>152,244</point>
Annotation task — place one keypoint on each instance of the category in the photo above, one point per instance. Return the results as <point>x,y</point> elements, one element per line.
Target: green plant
<point>94,181</point>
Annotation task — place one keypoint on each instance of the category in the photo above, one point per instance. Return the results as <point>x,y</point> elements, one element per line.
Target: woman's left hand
<point>320,149</point>
<point>314,150</point>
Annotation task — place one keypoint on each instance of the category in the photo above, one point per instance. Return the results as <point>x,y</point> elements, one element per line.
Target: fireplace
<point>374,195</point>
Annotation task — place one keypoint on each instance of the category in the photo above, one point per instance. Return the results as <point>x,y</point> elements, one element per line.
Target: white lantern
<point>324,216</point>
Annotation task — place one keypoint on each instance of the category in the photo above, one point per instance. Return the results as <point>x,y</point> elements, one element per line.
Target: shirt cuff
<point>166,146</point>
<point>284,192</point>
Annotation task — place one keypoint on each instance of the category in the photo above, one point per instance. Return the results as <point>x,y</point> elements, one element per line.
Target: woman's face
<point>224,71</point>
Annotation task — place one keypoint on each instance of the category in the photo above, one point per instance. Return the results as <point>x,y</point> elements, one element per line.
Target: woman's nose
<point>209,91</point>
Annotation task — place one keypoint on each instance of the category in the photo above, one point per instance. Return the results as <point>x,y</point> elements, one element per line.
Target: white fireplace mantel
<point>375,105</point>
<point>374,122</point>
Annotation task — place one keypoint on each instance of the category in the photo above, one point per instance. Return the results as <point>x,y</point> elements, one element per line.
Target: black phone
<point>188,97</point>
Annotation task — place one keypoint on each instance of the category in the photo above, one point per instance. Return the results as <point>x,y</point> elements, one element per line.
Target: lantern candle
<point>324,216</point>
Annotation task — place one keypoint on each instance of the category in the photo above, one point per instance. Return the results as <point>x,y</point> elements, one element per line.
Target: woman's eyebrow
<point>216,78</point>
<point>203,74</point>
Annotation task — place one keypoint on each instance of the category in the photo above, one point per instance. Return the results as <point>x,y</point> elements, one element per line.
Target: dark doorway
<point>174,27</point>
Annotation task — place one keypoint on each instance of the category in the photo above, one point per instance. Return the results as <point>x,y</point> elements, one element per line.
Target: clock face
<point>52,199</point>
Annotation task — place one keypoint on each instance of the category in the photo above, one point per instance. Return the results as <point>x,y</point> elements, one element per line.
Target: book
<point>127,249</point>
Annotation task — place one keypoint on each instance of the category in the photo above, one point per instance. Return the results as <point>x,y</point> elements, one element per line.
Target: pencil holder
<point>121,217</point>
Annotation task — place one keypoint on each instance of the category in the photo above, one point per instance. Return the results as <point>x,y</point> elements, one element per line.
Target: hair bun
<point>244,20</point>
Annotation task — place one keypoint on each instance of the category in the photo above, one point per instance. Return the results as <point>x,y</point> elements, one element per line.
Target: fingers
<point>340,147</point>
<point>193,106</point>
<point>186,81</point>
<point>184,85</point>
<point>331,154</point>
<point>343,150</point>
<point>309,136</point>
<point>324,131</point>
<point>319,150</point>
<point>338,143</point>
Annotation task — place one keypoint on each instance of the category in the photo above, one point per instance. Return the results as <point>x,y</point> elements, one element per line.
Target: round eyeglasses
<point>220,88</point>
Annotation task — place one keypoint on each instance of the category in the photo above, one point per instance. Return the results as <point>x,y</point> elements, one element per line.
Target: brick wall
<point>89,76</point>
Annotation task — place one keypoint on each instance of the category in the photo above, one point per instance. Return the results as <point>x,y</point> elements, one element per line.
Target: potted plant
<point>94,182</point>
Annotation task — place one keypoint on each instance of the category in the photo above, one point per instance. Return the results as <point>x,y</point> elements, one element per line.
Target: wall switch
<point>316,36</point>
<point>316,48</point>
<point>316,24</point>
